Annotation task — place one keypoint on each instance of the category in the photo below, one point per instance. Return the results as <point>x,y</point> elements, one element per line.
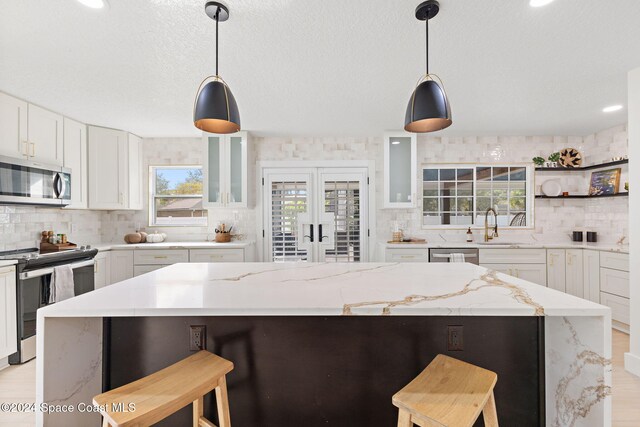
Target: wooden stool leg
<point>105,423</point>
<point>198,411</point>
<point>489,412</point>
<point>404,419</point>
<point>222,401</point>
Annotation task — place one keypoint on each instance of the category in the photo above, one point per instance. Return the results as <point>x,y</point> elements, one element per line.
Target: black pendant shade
<point>428,109</point>
<point>216,110</point>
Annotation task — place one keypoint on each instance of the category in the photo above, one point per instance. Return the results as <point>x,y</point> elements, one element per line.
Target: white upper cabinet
<point>226,171</point>
<point>400,165</point>
<point>13,127</point>
<point>114,169</point>
<point>135,172</point>
<point>45,131</point>
<point>75,158</point>
<point>30,132</point>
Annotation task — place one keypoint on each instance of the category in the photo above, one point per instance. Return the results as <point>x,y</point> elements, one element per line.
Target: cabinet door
<point>400,164</point>
<point>213,170</point>
<point>143,269</point>
<point>135,172</point>
<point>574,273</point>
<point>13,127</point>
<point>101,269</point>
<point>591,275</point>
<point>108,153</point>
<point>216,255</point>
<point>8,326</point>
<point>45,136</point>
<point>121,265</point>
<point>556,269</point>
<point>75,158</point>
<point>160,256</point>
<point>615,282</point>
<point>235,194</point>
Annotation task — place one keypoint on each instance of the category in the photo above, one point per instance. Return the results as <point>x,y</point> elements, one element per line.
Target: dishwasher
<point>444,254</point>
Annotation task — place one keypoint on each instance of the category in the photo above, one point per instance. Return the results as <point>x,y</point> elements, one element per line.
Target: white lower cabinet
<point>574,273</point>
<point>406,255</point>
<point>619,309</point>
<point>591,275</point>
<point>535,273</point>
<point>143,269</point>
<point>216,255</point>
<point>8,325</point>
<point>160,256</point>
<point>556,269</point>
<point>101,269</point>
<point>614,287</point>
<point>121,265</point>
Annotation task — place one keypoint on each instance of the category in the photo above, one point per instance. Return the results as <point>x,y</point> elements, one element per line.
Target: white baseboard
<point>4,362</point>
<point>632,363</point>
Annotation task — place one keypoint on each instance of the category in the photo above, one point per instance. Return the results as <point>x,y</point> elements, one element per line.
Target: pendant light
<point>428,109</point>
<point>215,109</point>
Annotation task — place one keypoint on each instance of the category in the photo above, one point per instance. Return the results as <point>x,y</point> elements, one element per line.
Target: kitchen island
<point>318,344</point>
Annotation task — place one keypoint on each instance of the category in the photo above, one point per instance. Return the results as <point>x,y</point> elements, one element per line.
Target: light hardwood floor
<point>17,384</point>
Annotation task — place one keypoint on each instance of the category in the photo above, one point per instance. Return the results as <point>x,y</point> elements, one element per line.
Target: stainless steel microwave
<point>33,183</point>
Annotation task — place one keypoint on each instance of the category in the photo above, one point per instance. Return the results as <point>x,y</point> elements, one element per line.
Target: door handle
<point>33,149</point>
<point>320,233</point>
<point>310,235</point>
<point>26,148</point>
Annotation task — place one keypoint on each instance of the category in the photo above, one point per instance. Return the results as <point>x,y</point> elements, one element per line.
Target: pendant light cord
<point>427,44</point>
<point>217,19</point>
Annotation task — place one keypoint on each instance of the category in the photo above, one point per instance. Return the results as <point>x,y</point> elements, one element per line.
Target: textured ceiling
<point>324,67</point>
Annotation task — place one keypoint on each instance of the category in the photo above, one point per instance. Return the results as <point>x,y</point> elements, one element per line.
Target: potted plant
<point>538,161</point>
<point>553,160</point>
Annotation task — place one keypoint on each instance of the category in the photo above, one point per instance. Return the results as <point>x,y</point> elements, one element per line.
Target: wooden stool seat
<point>164,392</point>
<point>449,393</point>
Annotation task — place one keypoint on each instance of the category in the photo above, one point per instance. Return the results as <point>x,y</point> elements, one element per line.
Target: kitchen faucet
<point>488,237</point>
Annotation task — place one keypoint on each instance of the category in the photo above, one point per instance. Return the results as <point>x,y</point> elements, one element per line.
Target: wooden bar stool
<point>161,394</point>
<point>449,393</point>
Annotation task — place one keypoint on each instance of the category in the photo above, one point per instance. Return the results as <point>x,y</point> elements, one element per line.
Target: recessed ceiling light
<point>612,108</point>
<point>395,143</point>
<point>94,4</point>
<point>539,3</point>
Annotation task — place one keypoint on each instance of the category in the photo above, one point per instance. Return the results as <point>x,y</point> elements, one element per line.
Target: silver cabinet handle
<point>33,149</point>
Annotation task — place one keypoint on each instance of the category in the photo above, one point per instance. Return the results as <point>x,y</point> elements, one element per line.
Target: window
<point>460,195</point>
<point>176,196</point>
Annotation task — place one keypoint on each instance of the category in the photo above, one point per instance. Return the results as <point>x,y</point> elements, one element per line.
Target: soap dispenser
<point>469,235</point>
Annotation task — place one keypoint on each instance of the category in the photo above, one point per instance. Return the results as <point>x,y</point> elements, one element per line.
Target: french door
<point>315,214</point>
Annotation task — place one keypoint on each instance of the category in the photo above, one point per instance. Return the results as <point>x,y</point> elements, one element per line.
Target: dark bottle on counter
<point>469,235</point>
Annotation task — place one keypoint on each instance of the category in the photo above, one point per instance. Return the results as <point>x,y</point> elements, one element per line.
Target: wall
<point>554,218</point>
<point>20,226</point>
<point>632,358</point>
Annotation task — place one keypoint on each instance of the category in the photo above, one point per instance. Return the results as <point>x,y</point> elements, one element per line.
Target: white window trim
<point>530,186</point>
<point>153,196</point>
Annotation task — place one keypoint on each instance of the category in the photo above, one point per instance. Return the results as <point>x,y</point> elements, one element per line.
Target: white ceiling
<point>324,67</point>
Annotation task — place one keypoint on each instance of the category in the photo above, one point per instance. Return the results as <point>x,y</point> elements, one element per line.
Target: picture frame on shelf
<point>605,182</point>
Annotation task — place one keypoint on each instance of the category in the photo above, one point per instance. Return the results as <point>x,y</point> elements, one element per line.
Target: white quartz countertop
<point>201,289</point>
<point>7,263</point>
<point>497,244</point>
<point>170,245</point>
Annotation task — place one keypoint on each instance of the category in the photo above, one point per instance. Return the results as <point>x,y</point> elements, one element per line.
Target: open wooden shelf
<point>585,168</point>
<point>582,196</point>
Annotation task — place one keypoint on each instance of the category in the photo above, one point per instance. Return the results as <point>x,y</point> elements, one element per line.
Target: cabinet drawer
<point>614,260</point>
<point>160,256</point>
<point>513,256</point>
<point>216,255</point>
<point>619,307</point>
<point>614,282</point>
<point>535,273</point>
<point>407,255</point>
<point>142,269</point>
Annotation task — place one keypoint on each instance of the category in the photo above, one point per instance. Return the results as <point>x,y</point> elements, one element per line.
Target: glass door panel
<point>214,173</point>
<point>236,169</point>
<point>342,208</point>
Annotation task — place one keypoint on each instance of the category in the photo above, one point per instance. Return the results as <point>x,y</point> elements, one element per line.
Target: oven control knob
<point>88,247</point>
<point>82,248</point>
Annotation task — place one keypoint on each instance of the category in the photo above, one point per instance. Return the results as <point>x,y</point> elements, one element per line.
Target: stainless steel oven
<point>34,274</point>
<point>33,183</point>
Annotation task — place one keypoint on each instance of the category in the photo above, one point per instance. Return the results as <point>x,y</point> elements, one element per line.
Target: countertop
<point>170,245</point>
<point>607,247</point>
<point>200,289</point>
<point>6,263</point>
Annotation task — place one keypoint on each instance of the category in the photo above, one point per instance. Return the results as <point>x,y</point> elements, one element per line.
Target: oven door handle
<point>45,271</point>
